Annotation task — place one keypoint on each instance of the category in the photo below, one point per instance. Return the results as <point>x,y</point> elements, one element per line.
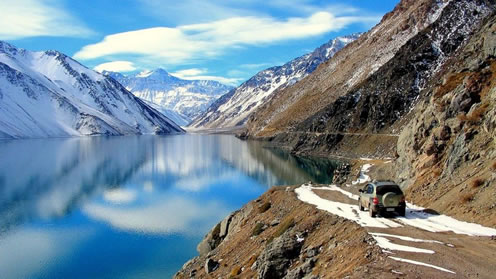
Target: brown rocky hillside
<point>348,68</point>
<point>447,152</point>
<point>431,106</point>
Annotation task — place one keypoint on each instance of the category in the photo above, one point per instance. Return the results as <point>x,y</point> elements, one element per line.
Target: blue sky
<point>222,40</point>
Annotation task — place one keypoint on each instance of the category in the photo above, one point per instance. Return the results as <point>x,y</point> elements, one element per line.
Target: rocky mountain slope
<point>372,113</point>
<point>348,68</point>
<point>47,94</point>
<point>259,241</point>
<point>447,151</point>
<point>177,98</point>
<point>234,108</point>
<point>430,106</point>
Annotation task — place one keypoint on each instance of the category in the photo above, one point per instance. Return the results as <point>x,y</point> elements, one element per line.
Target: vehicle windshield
<point>381,190</point>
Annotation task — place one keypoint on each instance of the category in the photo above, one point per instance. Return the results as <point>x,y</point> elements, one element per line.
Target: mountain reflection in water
<point>79,207</point>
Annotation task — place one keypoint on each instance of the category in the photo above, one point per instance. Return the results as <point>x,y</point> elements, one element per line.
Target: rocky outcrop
<point>298,241</point>
<point>223,230</point>
<point>447,150</point>
<point>276,257</point>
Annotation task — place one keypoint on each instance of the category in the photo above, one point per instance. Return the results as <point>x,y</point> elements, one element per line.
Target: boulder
<point>277,256</point>
<point>302,270</point>
<point>224,225</point>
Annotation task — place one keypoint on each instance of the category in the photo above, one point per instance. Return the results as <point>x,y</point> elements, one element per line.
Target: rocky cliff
<point>447,155</point>
<point>368,118</point>
<point>351,67</point>
<point>278,236</point>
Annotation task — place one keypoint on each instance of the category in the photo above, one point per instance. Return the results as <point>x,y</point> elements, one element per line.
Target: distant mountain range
<point>234,108</point>
<point>48,94</point>
<point>179,99</point>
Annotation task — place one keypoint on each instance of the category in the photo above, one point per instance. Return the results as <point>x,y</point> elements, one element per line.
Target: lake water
<point>128,207</point>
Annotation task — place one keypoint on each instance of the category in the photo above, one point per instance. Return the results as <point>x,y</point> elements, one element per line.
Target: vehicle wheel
<point>372,213</point>
<point>360,205</point>
<point>402,211</point>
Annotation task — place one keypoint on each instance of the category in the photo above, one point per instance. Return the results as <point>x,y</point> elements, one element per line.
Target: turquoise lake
<point>128,207</point>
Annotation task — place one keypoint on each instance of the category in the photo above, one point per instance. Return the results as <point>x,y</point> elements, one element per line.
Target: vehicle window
<point>381,190</point>
<point>370,189</point>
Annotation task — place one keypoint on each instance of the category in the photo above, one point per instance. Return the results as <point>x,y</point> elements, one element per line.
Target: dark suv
<point>382,197</point>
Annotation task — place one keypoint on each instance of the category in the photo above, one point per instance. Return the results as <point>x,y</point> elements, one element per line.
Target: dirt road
<point>421,245</point>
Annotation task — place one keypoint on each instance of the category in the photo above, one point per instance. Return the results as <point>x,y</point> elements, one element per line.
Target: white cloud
<point>254,66</point>
<point>173,214</point>
<point>224,80</point>
<point>116,66</point>
<point>189,72</point>
<point>200,74</point>
<point>30,18</point>
<point>188,11</point>
<point>200,41</point>
<point>119,196</point>
<point>197,183</point>
<point>28,252</point>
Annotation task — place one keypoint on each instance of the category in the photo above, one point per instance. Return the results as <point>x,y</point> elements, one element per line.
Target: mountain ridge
<point>177,98</point>
<point>235,108</point>
<point>47,94</point>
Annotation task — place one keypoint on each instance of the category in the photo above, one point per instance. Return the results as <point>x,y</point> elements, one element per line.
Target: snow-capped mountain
<point>48,94</point>
<point>234,108</point>
<point>179,99</point>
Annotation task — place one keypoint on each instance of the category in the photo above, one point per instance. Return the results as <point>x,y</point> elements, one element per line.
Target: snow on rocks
<point>363,178</point>
<point>421,263</point>
<point>233,110</point>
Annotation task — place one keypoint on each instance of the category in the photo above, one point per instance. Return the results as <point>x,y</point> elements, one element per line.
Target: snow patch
<point>415,216</point>
<point>348,211</point>
<point>421,263</point>
<point>406,238</point>
<point>144,74</point>
<point>363,178</point>
<point>385,243</point>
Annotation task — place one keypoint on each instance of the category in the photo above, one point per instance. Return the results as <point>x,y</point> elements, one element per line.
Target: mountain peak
<point>50,94</point>
<point>10,49</point>
<point>144,74</point>
<point>234,109</point>
<point>157,74</point>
